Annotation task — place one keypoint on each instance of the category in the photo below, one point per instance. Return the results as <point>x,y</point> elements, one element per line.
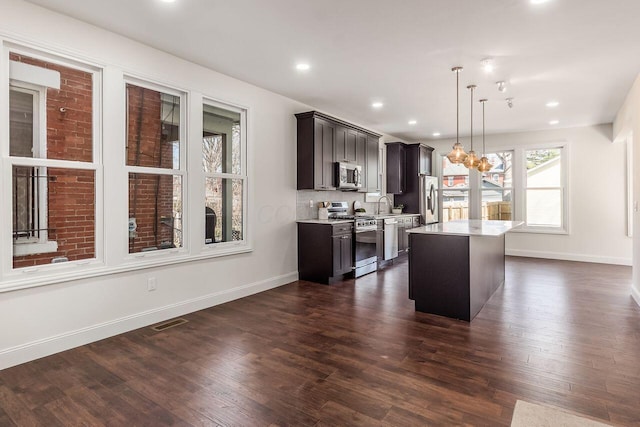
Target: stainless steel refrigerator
<point>428,199</point>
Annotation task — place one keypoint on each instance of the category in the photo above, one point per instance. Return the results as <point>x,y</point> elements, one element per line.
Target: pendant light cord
<point>483,146</point>
<point>472,88</point>
<point>457,106</point>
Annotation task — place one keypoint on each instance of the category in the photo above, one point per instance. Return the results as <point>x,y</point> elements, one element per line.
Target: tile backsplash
<point>304,197</point>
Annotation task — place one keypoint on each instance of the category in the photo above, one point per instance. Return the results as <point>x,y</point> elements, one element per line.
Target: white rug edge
<point>527,414</point>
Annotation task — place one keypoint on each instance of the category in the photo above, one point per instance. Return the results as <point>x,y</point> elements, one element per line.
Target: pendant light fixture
<point>457,154</point>
<point>484,165</point>
<point>472,161</point>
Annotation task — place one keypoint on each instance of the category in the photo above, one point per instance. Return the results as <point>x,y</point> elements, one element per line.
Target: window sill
<point>78,270</point>
<point>34,248</point>
<point>541,230</point>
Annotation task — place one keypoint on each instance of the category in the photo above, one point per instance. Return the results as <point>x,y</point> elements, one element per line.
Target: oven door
<point>365,247</point>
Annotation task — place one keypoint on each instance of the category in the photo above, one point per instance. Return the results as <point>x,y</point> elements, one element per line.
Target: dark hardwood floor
<point>559,333</point>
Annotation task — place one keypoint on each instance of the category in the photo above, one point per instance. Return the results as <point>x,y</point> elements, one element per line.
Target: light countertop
<point>468,228</point>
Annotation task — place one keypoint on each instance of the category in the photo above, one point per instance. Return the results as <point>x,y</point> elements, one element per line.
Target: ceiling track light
<point>502,86</point>
<point>457,154</point>
<point>509,102</point>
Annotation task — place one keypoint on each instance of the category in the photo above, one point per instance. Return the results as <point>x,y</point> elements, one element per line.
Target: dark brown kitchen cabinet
<point>342,254</point>
<point>324,140</point>
<point>361,158</point>
<point>325,252</point>
<point>424,159</point>
<point>415,162</point>
<point>374,183</point>
<point>396,155</point>
<point>316,138</point>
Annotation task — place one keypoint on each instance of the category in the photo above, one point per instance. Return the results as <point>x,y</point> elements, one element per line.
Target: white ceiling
<point>583,53</point>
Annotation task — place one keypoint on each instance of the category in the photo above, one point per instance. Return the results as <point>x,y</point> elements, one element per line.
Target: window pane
<point>69,112</point>
<point>501,174</point>
<point>544,168</point>
<point>223,200</point>
<point>497,205</point>
<point>454,175</point>
<point>455,205</point>
<point>53,215</point>
<point>21,122</point>
<point>544,207</point>
<point>155,212</point>
<point>221,140</point>
<point>153,128</point>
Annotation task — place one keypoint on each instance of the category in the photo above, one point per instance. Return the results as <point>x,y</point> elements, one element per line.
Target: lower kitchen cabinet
<point>325,252</point>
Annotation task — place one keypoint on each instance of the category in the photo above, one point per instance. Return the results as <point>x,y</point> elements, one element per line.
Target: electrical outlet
<point>310,203</point>
<point>151,284</point>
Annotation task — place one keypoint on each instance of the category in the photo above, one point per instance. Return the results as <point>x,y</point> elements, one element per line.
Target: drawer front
<point>342,229</point>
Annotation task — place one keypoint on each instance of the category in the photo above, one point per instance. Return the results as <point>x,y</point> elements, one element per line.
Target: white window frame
<point>12,278</point>
<point>160,255</point>
<point>243,244</point>
<point>30,245</point>
<point>503,189</point>
<point>564,189</point>
<point>109,101</point>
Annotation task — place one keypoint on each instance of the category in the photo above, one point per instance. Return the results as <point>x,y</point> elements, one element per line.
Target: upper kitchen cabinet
<point>324,140</point>
<point>405,162</point>
<point>374,181</point>
<point>316,139</point>
<point>396,155</point>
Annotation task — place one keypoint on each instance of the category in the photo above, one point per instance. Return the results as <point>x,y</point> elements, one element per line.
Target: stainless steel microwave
<point>348,176</point>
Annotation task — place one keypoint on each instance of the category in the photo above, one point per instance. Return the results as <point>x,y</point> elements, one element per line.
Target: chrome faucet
<point>380,200</point>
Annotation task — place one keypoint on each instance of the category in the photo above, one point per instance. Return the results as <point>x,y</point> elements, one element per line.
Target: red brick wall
<point>150,196</point>
<point>71,193</point>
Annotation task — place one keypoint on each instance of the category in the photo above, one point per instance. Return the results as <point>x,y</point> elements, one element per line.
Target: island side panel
<point>487,269</point>
<point>439,274</point>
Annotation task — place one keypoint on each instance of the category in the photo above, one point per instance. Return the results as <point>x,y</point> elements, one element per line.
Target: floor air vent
<point>169,324</point>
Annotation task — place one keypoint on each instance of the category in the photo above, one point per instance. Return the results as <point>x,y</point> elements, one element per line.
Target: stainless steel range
<point>366,244</point>
<point>367,237</point>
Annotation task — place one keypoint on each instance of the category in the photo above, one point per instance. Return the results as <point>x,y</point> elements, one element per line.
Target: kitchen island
<point>455,267</point>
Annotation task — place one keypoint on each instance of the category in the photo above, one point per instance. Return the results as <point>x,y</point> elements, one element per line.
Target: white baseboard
<point>569,257</point>
<point>635,293</point>
<point>55,344</point>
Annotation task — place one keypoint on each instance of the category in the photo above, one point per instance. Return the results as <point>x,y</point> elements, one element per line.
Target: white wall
<point>597,197</point>
<point>627,125</point>
<point>40,321</point>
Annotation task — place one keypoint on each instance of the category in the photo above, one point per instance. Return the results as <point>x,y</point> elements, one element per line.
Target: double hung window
<point>455,191</point>
<point>497,187</point>
<point>54,166</point>
<point>156,167</point>
<point>545,200</point>
<point>224,166</point>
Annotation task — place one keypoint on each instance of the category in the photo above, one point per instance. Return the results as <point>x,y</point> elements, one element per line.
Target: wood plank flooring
<point>559,333</point>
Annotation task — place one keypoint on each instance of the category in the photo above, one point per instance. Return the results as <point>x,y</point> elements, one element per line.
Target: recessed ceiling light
<point>487,65</point>
<point>413,122</point>
<point>552,104</point>
<point>538,1</point>
<point>303,66</point>
<point>436,134</point>
<point>377,105</point>
<point>554,122</point>
<point>168,1</point>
